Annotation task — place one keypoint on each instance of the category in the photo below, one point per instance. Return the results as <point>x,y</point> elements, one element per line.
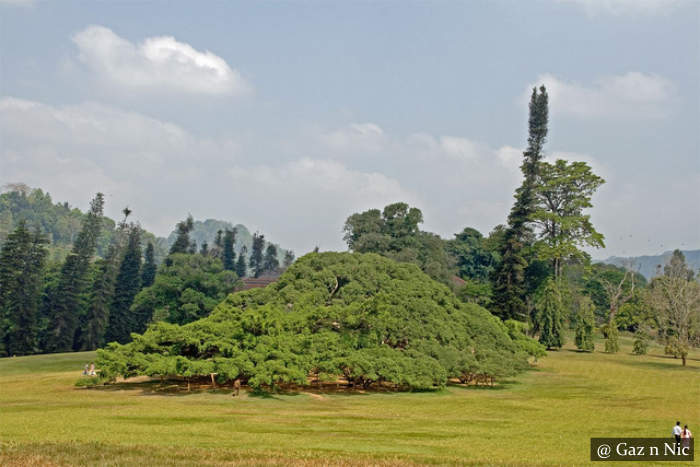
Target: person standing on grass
<point>685,437</point>
<point>677,430</point>
<point>92,369</point>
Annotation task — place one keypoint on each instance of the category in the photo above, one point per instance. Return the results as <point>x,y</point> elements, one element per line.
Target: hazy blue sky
<point>289,116</point>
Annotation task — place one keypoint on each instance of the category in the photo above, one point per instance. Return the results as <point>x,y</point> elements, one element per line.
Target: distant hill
<point>205,231</point>
<point>59,221</point>
<point>648,264</point>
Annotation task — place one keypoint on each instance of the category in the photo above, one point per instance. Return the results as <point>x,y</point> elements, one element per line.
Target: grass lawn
<point>545,416</point>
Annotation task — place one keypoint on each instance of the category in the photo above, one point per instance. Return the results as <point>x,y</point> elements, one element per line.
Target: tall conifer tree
<point>256,256</point>
<point>241,266</point>
<point>122,322</point>
<point>509,291</point>
<point>270,262</point>
<point>65,304</point>
<point>21,266</point>
<point>148,274</point>
<point>229,255</point>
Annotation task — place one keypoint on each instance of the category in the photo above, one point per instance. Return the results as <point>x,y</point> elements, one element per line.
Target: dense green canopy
<point>360,316</point>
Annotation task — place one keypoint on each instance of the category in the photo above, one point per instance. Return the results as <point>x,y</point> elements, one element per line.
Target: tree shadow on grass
<point>498,386</point>
<point>662,365</point>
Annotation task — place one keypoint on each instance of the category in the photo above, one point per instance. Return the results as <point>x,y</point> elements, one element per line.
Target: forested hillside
<point>60,222</point>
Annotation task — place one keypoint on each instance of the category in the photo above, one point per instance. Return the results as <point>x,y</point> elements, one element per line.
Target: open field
<point>543,417</point>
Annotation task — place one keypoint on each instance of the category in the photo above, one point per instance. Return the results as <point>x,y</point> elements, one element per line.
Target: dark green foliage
<point>101,297</point>
<point>256,263</point>
<point>148,272</point>
<point>21,265</point>
<point>548,319</point>
<point>270,263</point>
<point>229,256</point>
<point>394,233</point>
<point>473,258</point>
<point>241,266</point>
<point>204,249</point>
<point>65,304</point>
<point>360,316</point>
<point>183,243</point>
<point>121,319</point>
<point>509,289</point>
<point>185,290</point>
<point>585,324</point>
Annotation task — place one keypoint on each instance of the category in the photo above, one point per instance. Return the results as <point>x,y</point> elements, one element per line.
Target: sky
<point>290,116</point>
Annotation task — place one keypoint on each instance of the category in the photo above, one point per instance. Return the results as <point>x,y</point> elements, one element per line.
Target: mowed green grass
<point>544,417</point>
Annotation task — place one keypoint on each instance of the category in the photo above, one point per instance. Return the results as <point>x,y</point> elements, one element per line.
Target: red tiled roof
<point>256,282</point>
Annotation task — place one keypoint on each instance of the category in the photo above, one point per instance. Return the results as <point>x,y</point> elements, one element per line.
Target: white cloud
<point>157,63</point>
<point>633,95</point>
<point>75,151</point>
<point>365,136</point>
<point>627,7</point>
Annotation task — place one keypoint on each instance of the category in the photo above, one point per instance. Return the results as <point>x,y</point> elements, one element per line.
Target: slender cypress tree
<point>585,322</point>
<point>509,291</point>
<point>21,265</point>
<point>256,256</point>
<point>241,267</point>
<point>148,274</point>
<point>65,304</point>
<point>121,321</point>
<point>229,255</point>
<point>548,316</point>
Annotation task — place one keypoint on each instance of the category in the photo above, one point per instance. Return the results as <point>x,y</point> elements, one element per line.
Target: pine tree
<point>509,291</point>
<point>21,265</point>
<point>548,316</point>
<point>204,249</point>
<point>100,299</point>
<point>256,256</point>
<point>270,262</point>
<point>585,322</point>
<point>65,304</point>
<point>182,241</point>
<point>229,255</point>
<point>102,293</point>
<point>241,267</point>
<point>121,321</point>
<point>148,273</point>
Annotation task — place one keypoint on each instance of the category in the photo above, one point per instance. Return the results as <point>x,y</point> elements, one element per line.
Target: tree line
<point>534,269</point>
<point>85,301</point>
